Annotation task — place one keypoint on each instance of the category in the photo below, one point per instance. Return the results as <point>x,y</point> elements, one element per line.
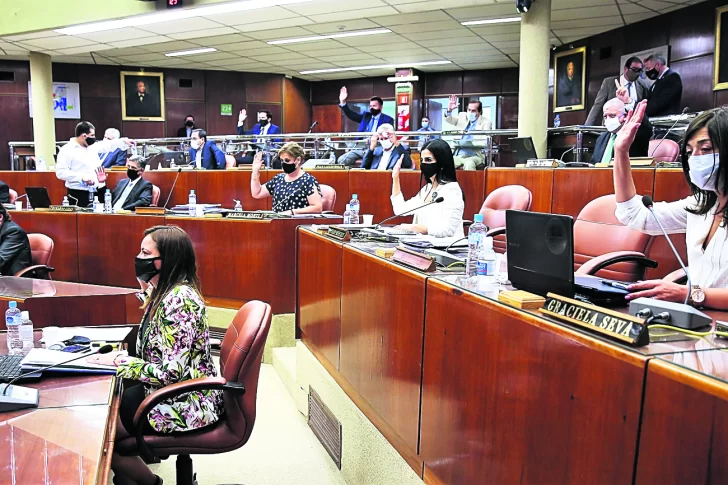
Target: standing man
<point>666,93</point>
<point>133,191</point>
<point>368,122</point>
<point>264,126</point>
<point>631,80</point>
<point>80,167</point>
<point>469,158</point>
<point>188,128</point>
<point>425,127</point>
<point>205,154</point>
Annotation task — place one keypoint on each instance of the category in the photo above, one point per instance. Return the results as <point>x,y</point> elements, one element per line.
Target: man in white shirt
<point>80,166</point>
<point>133,191</point>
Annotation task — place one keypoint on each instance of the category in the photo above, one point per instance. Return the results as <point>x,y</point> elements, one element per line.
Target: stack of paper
<point>38,358</point>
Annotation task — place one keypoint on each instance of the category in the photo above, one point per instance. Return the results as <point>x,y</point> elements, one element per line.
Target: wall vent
<point>325,426</point>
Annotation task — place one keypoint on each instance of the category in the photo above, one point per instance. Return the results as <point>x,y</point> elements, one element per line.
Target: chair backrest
<point>13,196</point>
<point>668,150</point>
<point>155,195</point>
<point>230,161</point>
<point>240,357</point>
<point>508,197</point>
<point>597,231</point>
<point>328,194</point>
<point>41,249</point>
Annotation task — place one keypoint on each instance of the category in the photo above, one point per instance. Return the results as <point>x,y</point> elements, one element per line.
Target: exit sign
<point>174,3</point>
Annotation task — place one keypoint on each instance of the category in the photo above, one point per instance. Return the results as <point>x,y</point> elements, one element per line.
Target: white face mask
<point>386,144</point>
<point>472,117</point>
<point>704,171</point>
<point>612,124</point>
<point>196,144</point>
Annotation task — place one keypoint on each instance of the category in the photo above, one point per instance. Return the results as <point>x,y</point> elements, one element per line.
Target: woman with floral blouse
<point>173,345</point>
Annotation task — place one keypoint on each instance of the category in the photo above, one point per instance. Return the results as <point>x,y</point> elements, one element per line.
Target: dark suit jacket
<point>116,158</point>
<point>14,249</point>
<point>665,95</point>
<point>272,130</point>
<point>212,156</point>
<point>364,118</point>
<point>4,193</point>
<point>609,91</point>
<point>373,157</point>
<point>140,195</point>
<point>182,132</point>
<point>639,148</point>
<point>150,108</point>
<point>569,91</point>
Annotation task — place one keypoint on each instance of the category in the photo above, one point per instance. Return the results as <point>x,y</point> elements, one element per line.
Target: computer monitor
<point>523,149</point>
<point>38,197</point>
<point>541,252</point>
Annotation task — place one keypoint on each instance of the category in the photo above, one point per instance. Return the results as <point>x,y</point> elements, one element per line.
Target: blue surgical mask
<point>472,117</point>
<point>425,124</point>
<point>704,171</point>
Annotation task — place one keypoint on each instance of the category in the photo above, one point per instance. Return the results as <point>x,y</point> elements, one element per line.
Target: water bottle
<point>97,205</point>
<point>238,206</point>
<point>26,331</point>
<point>475,240</point>
<point>92,198</point>
<point>65,202</point>
<point>557,121</point>
<point>192,202</point>
<point>354,208</point>
<point>107,202</point>
<point>347,214</point>
<point>27,203</point>
<point>12,322</point>
<point>332,158</point>
<point>486,258</point>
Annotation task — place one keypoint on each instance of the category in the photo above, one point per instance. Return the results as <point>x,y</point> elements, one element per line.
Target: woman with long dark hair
<point>173,345</point>
<point>702,217</point>
<point>443,219</point>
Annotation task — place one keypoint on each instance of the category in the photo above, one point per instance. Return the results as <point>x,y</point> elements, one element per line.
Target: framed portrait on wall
<point>569,80</point>
<point>142,96</point>
<point>720,63</point>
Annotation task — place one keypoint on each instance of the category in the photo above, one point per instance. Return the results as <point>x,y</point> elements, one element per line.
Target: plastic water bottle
<point>192,202</point>
<point>65,202</point>
<point>475,240</point>
<point>97,205</point>
<point>354,208</point>
<point>347,214</point>
<point>12,322</point>
<point>332,158</point>
<point>26,331</point>
<point>557,121</point>
<point>486,258</point>
<point>107,202</point>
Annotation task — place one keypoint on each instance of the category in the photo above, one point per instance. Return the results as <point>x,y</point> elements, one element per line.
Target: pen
<point>615,284</point>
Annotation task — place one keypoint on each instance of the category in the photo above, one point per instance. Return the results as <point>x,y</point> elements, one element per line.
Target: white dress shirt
<point>708,268</point>
<point>125,194</point>
<point>263,131</point>
<point>384,161</point>
<point>631,89</point>
<point>198,157</point>
<point>442,220</point>
<point>75,163</point>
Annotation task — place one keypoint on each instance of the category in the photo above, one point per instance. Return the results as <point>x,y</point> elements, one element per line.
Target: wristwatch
<point>697,296</point>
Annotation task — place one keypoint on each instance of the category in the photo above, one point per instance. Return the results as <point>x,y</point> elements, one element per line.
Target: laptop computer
<point>523,149</point>
<point>38,197</point>
<point>541,259</point>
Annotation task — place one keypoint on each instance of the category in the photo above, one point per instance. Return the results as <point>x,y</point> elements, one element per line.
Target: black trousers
<point>81,197</point>
<point>131,399</point>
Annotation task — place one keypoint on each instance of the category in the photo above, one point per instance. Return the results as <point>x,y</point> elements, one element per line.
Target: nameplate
<point>338,233</point>
<point>330,167</point>
<point>255,215</point>
<point>150,211</point>
<point>414,259</point>
<point>615,325</point>
<point>62,208</point>
<point>453,132</point>
<point>542,162</point>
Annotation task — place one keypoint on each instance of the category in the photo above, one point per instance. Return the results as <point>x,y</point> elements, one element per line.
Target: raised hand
<point>257,161</point>
<point>373,141</point>
<point>453,103</point>
<point>343,95</point>
<point>101,175</point>
<point>627,133</point>
<point>622,92</point>
<point>397,167</point>
<point>241,117</point>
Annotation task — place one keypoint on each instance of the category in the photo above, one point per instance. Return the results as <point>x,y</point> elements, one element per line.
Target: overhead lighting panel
<point>342,35</point>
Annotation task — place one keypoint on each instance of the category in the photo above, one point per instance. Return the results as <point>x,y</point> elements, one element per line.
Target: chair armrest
<point>678,276</point>
<point>496,231</point>
<point>41,268</point>
<point>600,262</point>
<point>174,390</point>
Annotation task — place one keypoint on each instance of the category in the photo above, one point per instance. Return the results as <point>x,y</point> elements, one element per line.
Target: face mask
<point>704,171</point>
<point>90,140</point>
<point>631,75</point>
<point>289,168</point>
<point>196,144</point>
<point>472,117</point>
<point>386,144</point>
<point>374,111</point>
<point>612,124</point>
<point>145,269</point>
<point>132,174</point>
<point>652,74</point>
<point>190,123</point>
<point>428,170</point>
<point>425,124</point>
<point>263,122</point>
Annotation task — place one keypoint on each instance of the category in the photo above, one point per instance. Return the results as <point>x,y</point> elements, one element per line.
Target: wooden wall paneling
<point>99,81</point>
<point>444,84</point>
<point>359,90</point>
<point>66,129</point>
<point>56,188</point>
<point>472,183</point>
<point>504,417</point>
<point>510,80</point>
<point>164,179</point>
<point>374,199</point>
<point>382,88</point>
<point>599,68</point>
<point>482,82</point>
<point>172,90</point>
<point>143,129</point>
<point>21,72</point>
<point>65,73</point>
<point>296,106</point>
<point>692,31</point>
<point>646,34</point>
<point>697,75</point>
<point>263,88</point>
<point>329,117</point>
<point>325,92</point>
<point>177,110</point>
<point>720,98</point>
<point>103,113</point>
<point>223,88</point>
<point>339,180</point>
<point>63,229</point>
<point>508,111</point>
<point>222,186</point>
<point>253,108</point>
<point>14,107</point>
<point>539,181</point>
<point>16,180</point>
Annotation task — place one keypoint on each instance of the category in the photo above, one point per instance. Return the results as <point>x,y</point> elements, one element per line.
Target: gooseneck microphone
<point>684,111</point>
<point>285,199</point>
<point>313,125</point>
<point>436,201</point>
<point>179,171</point>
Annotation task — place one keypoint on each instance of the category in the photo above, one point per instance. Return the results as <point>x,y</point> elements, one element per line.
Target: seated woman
<point>701,217</point>
<point>173,346</point>
<point>438,169</point>
<point>294,191</point>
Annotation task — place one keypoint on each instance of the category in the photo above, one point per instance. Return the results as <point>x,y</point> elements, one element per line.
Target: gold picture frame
<point>570,91</point>
<point>142,96</point>
<point>720,75</point>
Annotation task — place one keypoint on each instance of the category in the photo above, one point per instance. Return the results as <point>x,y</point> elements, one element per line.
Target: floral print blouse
<point>175,347</point>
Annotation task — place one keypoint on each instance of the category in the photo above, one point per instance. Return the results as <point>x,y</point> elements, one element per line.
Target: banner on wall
<point>66,101</point>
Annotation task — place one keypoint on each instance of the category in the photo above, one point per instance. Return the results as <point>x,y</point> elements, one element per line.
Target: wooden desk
<point>339,180</point>
<point>63,229</point>
<point>539,181</point>
<point>221,187</point>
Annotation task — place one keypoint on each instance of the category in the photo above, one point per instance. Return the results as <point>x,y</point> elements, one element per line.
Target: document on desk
<point>94,334</point>
<point>38,358</point>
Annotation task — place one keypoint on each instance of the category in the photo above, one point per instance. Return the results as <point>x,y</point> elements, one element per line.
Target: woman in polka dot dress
<point>294,191</point>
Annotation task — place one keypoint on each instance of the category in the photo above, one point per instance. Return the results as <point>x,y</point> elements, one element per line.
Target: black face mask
<point>652,74</point>
<point>190,123</point>
<point>428,170</point>
<point>631,75</point>
<point>262,123</point>
<point>90,140</point>
<point>132,174</point>
<point>289,168</point>
<point>145,269</point>
<point>374,111</point>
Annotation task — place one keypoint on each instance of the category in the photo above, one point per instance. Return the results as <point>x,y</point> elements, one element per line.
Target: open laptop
<point>38,197</point>
<point>541,259</point>
<point>523,149</point>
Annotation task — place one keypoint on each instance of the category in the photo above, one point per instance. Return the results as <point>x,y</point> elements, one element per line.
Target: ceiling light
<point>173,15</point>
<point>383,66</point>
<point>315,38</point>
<point>191,52</point>
<point>492,21</point>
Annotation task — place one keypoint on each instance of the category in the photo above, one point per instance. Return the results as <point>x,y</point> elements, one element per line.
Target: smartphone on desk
<point>75,348</point>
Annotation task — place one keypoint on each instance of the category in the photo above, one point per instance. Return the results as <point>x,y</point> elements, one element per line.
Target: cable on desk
<point>681,330</point>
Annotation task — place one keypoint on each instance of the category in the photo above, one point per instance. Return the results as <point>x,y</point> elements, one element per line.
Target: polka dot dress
<point>291,195</point>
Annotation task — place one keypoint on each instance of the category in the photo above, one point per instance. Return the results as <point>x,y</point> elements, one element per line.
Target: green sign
<point>226,109</point>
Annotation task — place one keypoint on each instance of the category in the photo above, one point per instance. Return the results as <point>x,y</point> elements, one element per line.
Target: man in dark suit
<point>205,154</point>
<point>570,87</point>
<point>14,246</point>
<point>614,116</point>
<point>665,95</point>
<point>384,151</point>
<point>188,128</point>
<point>369,122</point>
<point>264,126</point>
<point>133,191</point>
<point>630,82</point>
<point>143,104</point>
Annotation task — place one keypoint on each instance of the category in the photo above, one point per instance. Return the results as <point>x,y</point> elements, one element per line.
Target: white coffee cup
<point>19,205</point>
<point>367,219</point>
<point>199,211</point>
<point>50,335</point>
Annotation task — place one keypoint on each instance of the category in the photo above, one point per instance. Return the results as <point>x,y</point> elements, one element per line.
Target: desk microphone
<point>680,118</point>
<point>72,197</point>
<point>679,315</point>
<point>436,201</point>
<point>313,125</point>
<point>179,171</point>
<point>27,397</point>
<point>287,198</point>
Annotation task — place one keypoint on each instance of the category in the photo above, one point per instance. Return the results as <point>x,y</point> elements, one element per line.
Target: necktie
<point>370,125</point>
<point>629,90</point>
<point>609,151</point>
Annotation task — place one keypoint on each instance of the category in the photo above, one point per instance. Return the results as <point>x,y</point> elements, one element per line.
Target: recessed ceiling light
<point>173,15</point>
<point>505,20</point>
<point>383,66</point>
<point>191,52</point>
<point>315,38</point>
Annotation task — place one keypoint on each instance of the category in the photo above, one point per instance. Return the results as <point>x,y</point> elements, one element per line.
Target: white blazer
<point>442,220</point>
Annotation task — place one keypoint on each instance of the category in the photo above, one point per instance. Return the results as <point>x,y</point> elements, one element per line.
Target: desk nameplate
<point>255,215</point>
<point>62,208</point>
<point>414,259</point>
<point>150,211</point>
<point>330,167</point>
<point>339,233</point>
<point>618,326</point>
